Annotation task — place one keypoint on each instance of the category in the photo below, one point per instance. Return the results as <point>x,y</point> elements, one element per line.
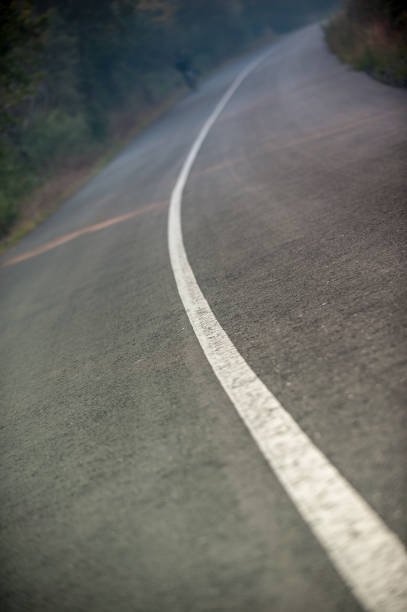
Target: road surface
<point>129,479</point>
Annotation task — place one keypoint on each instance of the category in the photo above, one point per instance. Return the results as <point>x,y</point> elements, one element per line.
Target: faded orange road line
<point>48,246</point>
<point>225,164</point>
<point>278,146</point>
<point>340,128</point>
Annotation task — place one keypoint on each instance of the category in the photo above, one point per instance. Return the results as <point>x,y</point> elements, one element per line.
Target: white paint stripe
<point>369,557</point>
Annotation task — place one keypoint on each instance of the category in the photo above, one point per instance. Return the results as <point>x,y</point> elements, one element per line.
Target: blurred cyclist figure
<point>183,65</point>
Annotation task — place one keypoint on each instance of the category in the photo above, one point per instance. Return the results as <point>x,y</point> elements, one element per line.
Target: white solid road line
<point>366,553</point>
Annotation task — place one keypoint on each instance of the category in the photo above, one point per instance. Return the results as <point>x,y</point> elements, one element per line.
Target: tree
<point>22,39</point>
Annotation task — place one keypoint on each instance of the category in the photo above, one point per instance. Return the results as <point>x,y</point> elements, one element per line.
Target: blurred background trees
<point>66,66</point>
<point>371,35</point>
<point>391,12</point>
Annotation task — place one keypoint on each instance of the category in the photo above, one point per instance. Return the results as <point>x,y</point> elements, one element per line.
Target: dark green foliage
<point>371,35</point>
<point>391,12</point>
<point>67,65</point>
<point>21,48</point>
<point>57,131</point>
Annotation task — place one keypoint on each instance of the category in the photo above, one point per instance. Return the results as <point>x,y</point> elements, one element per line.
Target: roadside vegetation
<point>79,78</point>
<point>371,35</point>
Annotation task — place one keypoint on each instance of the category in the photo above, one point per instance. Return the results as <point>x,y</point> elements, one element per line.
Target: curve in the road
<point>367,554</point>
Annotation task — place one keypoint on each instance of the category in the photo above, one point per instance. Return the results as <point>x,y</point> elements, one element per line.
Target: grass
<point>43,196</point>
<point>372,47</point>
<point>67,177</point>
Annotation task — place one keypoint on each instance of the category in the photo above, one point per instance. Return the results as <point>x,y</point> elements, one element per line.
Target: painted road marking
<point>275,146</point>
<point>48,246</point>
<point>366,553</point>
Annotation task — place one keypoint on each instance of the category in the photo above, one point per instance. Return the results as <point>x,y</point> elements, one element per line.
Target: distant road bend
<point>141,416</point>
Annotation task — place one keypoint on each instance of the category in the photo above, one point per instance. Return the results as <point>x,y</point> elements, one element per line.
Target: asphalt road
<point>128,480</point>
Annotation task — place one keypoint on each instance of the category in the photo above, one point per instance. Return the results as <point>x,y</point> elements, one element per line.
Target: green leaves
<point>22,39</point>
<point>68,68</point>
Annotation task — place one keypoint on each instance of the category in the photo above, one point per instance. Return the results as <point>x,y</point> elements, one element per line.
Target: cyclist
<point>184,67</point>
